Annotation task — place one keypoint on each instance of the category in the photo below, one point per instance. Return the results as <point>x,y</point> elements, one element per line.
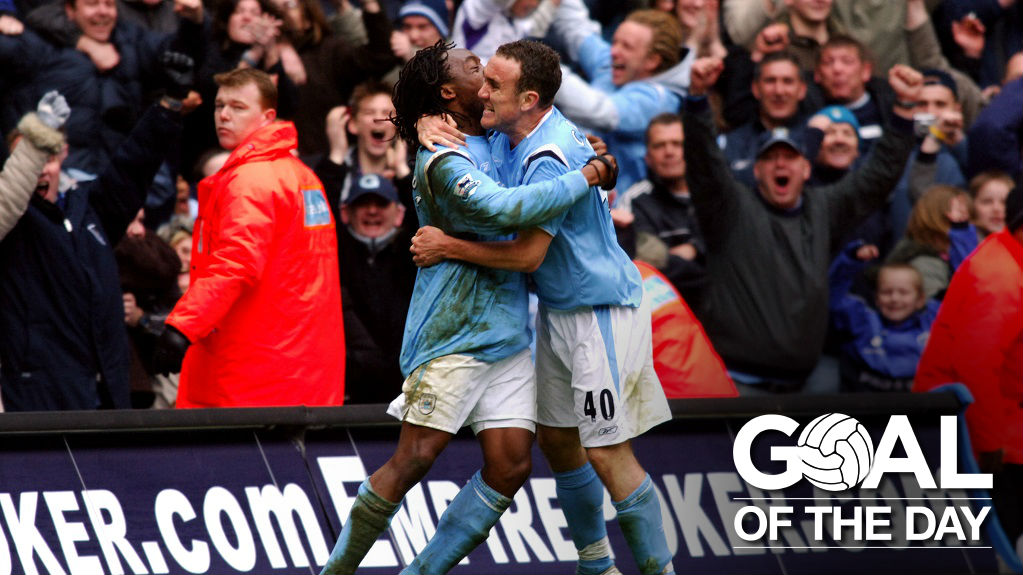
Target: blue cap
<point>776,137</point>
<point>371,184</point>
<point>436,11</point>
<point>841,115</point>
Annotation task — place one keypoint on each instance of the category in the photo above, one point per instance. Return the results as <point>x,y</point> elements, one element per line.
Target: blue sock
<point>464,525</point>
<point>370,516</point>
<point>639,516</point>
<point>581,496</point>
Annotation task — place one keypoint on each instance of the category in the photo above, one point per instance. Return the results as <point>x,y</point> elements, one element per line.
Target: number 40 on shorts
<point>607,405</point>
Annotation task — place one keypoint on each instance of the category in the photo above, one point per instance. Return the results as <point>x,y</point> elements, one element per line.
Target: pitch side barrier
<point>264,490</point>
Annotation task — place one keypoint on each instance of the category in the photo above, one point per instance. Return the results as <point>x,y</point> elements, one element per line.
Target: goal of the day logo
<point>836,454</point>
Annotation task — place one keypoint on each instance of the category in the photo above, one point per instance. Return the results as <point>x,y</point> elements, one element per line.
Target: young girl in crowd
<point>881,347</point>
<point>938,237</point>
<point>989,191</point>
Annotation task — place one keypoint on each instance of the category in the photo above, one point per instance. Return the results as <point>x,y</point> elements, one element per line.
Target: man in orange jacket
<point>261,321</point>
<point>977,340</point>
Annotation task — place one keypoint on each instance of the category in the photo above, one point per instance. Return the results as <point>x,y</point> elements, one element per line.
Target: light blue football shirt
<point>584,266</point>
<point>460,308</point>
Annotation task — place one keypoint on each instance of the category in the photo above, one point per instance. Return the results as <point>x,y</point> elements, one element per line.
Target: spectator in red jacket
<point>264,307</point>
<point>977,339</point>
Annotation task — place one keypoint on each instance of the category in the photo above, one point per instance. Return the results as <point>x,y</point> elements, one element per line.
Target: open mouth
<point>782,181</point>
<point>377,136</point>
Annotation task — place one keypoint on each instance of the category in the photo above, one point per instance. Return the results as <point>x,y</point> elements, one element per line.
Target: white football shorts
<point>595,371</point>
<point>451,391</point>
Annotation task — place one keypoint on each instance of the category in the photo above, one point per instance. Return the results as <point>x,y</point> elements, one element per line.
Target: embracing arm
<point>524,254</point>
<point>488,208</point>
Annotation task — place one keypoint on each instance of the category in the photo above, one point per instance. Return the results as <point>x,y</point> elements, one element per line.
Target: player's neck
<point>467,123</point>
<point>526,124</point>
<point>470,127</point>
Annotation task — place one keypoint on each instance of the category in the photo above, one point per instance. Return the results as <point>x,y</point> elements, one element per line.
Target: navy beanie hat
<point>436,11</point>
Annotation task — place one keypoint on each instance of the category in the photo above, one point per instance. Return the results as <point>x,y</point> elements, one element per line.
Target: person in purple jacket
<point>880,346</point>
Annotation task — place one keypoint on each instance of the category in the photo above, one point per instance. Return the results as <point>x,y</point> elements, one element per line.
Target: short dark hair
<point>780,56</point>
<point>241,76</point>
<point>540,65</point>
<point>665,119</point>
<point>846,41</point>
<point>365,90</point>
<point>417,92</point>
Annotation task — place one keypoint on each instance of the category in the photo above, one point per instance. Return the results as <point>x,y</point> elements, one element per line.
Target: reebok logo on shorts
<point>608,430</point>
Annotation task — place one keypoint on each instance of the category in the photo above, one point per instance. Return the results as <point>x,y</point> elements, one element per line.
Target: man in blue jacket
<point>639,75</point>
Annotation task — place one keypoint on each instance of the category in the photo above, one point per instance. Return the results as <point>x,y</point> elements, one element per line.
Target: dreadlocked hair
<point>417,92</point>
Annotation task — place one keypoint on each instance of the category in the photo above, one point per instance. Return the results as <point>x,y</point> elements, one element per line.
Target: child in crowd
<point>938,237</point>
<point>989,191</point>
<point>881,346</point>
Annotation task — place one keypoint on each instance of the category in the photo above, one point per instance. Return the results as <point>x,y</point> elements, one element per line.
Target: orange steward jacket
<point>684,359</point>
<point>263,310</point>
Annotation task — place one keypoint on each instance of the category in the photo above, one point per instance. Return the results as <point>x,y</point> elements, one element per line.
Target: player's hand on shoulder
<point>599,146</point>
<point>439,130</point>
<point>428,246</point>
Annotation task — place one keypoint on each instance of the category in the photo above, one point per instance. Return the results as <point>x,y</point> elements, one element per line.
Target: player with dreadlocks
<point>466,353</point>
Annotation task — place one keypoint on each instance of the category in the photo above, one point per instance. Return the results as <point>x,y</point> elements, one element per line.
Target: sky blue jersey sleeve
<point>638,102</point>
<point>595,59</point>
<point>481,205</point>
<point>544,169</point>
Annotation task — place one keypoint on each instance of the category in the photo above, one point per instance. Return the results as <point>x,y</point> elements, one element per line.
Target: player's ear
<point>529,100</point>
<point>447,91</point>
